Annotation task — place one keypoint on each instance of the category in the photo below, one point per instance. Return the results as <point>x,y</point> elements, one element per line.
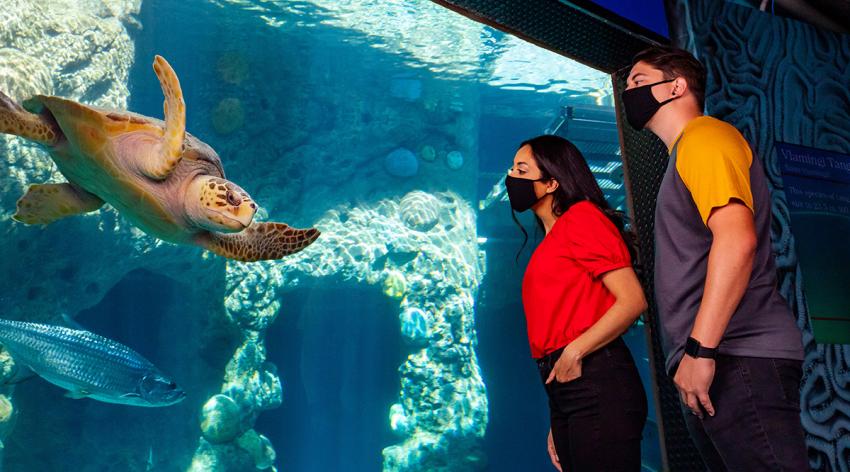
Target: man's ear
<point>680,86</point>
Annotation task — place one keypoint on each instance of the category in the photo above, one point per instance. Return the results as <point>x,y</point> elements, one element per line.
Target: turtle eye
<point>233,199</point>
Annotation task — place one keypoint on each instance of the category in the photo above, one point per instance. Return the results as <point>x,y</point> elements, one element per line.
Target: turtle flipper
<point>160,165</point>
<point>259,242</point>
<point>46,203</point>
<point>15,120</point>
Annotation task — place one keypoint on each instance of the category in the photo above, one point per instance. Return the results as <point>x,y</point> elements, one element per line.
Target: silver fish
<point>88,365</point>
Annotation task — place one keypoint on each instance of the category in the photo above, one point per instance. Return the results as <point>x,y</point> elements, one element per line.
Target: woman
<point>580,294</point>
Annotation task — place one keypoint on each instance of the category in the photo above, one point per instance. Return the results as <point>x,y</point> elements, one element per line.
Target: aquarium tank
<point>395,341</point>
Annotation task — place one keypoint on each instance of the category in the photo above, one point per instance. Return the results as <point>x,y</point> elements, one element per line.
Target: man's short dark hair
<point>675,62</point>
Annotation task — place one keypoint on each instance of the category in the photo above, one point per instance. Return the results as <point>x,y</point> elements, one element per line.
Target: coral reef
<point>228,116</point>
<point>427,153</point>
<point>419,211</point>
<point>220,420</point>
<point>401,163</point>
<point>232,68</point>
<point>79,49</point>
<point>454,160</point>
<point>86,56</point>
<point>420,252</point>
<point>441,414</point>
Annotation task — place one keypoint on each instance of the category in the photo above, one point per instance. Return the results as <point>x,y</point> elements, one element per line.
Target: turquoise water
<point>397,341</point>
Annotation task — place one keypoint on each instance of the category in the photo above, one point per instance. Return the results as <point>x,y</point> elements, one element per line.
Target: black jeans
<point>756,426</point>
<point>597,419</point>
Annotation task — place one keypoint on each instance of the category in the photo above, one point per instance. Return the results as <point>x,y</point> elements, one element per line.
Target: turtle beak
<point>243,212</point>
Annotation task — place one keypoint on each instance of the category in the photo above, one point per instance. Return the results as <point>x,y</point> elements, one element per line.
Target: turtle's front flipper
<point>45,203</point>
<point>259,242</point>
<point>160,165</point>
<point>15,120</point>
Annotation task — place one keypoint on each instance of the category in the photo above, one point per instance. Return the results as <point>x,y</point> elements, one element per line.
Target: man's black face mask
<point>641,105</point>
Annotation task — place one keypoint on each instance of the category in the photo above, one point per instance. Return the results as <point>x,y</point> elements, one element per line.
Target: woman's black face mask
<point>521,192</point>
<point>641,105</point>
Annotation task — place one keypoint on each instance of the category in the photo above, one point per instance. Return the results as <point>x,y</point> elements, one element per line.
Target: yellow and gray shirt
<point>711,165</point>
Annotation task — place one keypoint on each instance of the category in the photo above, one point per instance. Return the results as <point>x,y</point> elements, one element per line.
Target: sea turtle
<point>162,179</point>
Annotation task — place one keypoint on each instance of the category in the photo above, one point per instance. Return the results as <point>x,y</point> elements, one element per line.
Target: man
<point>732,345</point>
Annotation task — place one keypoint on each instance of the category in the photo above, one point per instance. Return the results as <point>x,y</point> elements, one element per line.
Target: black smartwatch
<point>694,349</point>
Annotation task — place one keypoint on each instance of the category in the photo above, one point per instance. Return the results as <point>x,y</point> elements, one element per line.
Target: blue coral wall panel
<point>779,80</point>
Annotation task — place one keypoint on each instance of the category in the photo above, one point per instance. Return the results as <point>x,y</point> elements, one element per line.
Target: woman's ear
<point>551,186</point>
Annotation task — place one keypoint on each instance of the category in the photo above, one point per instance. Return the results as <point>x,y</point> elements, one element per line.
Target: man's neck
<point>671,125</point>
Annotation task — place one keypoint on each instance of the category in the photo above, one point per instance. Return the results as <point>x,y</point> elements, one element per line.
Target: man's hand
<point>693,379</point>
<point>553,454</point>
<point>567,367</point>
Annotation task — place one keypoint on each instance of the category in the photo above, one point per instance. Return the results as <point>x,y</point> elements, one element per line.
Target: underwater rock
<point>407,89</point>
<point>251,384</point>
<point>401,163</point>
<point>399,421</point>
<point>220,419</point>
<point>249,380</point>
<point>443,413</point>
<point>7,418</point>
<point>232,68</point>
<point>228,116</point>
<point>454,160</point>
<point>7,367</point>
<point>250,451</point>
<point>395,285</point>
<point>259,449</point>
<point>23,76</point>
<point>415,324</point>
<point>6,409</point>
<point>82,51</point>
<point>419,210</point>
<point>428,153</point>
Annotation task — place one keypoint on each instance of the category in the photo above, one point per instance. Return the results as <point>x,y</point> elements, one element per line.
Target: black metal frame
<point>586,33</point>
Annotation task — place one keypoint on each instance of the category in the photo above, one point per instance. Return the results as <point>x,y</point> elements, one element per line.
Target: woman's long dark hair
<point>559,159</point>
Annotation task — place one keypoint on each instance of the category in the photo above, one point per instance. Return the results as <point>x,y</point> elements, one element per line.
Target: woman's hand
<point>553,454</point>
<point>567,367</point>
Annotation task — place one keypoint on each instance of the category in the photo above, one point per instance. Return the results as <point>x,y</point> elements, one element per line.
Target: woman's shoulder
<point>586,218</point>
<point>582,211</point>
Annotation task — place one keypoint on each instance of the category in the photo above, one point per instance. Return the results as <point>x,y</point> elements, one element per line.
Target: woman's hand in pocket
<point>567,367</point>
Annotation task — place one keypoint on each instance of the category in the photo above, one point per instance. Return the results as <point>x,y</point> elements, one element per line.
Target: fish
<point>88,365</point>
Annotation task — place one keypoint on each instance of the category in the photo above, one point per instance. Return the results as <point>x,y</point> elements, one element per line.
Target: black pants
<point>756,426</point>
<point>597,419</point>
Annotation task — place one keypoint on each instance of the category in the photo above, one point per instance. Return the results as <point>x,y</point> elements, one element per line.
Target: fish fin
<point>69,322</point>
<point>77,394</point>
<point>131,395</point>
<point>22,374</point>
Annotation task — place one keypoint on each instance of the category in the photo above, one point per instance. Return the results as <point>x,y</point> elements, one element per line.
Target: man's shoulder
<point>707,141</point>
<point>710,131</point>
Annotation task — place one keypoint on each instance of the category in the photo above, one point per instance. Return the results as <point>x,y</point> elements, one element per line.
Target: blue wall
<point>781,80</point>
<point>647,13</point>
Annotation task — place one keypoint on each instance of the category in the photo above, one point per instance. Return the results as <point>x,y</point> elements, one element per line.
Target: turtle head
<point>219,205</point>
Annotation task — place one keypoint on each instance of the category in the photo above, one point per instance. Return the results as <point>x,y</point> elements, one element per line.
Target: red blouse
<point>562,292</point>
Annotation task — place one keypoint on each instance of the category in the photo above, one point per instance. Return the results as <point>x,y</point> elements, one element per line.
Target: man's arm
<point>730,264</point>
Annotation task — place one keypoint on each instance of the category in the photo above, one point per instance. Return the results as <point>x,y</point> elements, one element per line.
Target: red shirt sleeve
<point>592,240</point>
